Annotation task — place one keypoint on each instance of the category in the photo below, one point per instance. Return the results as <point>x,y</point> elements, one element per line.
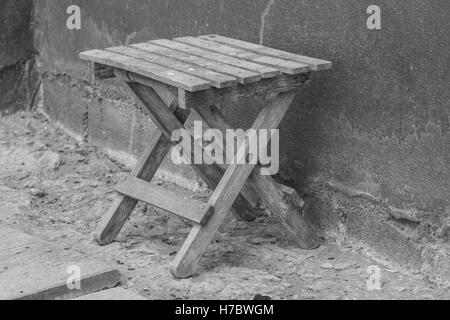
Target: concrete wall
<point>18,81</point>
<point>367,144</point>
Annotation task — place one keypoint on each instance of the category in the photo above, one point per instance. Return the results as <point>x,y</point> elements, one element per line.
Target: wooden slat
<point>244,76</point>
<point>183,206</point>
<point>289,67</point>
<point>151,70</point>
<point>265,71</point>
<point>216,79</point>
<point>33,269</point>
<point>315,64</point>
<point>186,261</point>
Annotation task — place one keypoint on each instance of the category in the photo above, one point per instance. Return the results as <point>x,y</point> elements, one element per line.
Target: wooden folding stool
<point>169,78</point>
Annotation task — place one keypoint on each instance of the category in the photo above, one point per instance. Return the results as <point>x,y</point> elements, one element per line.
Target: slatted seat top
<point>199,63</point>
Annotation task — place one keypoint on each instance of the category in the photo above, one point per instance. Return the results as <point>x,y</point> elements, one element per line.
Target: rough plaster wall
<point>367,144</point>
<point>18,80</point>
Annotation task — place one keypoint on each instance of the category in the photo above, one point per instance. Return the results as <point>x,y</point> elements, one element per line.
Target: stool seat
<point>198,63</point>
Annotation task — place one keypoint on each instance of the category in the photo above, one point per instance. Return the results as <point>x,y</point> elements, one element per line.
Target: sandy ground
<point>57,188</point>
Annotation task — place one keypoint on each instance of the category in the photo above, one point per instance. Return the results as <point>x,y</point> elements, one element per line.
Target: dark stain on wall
<point>367,144</point>
<point>18,79</point>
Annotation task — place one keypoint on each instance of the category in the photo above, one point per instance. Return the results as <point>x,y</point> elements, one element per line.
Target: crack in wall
<point>85,120</point>
<point>264,15</point>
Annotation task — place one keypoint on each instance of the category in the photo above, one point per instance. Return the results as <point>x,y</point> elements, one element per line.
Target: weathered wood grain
<point>184,207</point>
<point>263,88</point>
<point>265,71</point>
<point>217,80</point>
<point>244,76</point>
<point>315,64</point>
<point>151,70</point>
<point>285,66</point>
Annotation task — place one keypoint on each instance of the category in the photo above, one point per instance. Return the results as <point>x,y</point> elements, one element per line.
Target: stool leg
<point>212,116</point>
<point>194,247</point>
<point>113,221</point>
<point>289,215</point>
<point>265,188</point>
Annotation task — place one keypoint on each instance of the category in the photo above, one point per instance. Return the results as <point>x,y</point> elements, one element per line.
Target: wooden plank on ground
<point>244,76</point>
<point>33,269</point>
<point>315,64</point>
<point>265,71</point>
<point>183,206</point>
<point>285,66</point>
<point>114,294</point>
<point>151,70</point>
<point>216,79</point>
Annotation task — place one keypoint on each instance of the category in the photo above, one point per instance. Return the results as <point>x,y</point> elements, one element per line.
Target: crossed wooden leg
<point>232,189</point>
<point>113,221</point>
<point>166,115</point>
<point>283,202</point>
<point>235,177</point>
